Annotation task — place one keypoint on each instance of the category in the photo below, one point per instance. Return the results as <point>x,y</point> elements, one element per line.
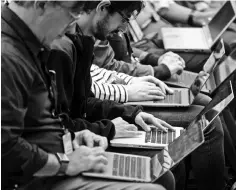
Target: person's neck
<point>85,24</point>
<point>29,18</point>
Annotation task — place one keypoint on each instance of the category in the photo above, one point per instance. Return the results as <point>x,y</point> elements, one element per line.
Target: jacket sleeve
<point>105,109</point>
<point>18,155</point>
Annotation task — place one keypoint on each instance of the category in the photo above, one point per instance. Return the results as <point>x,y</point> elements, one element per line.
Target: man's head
<point>107,16</point>
<point>48,19</point>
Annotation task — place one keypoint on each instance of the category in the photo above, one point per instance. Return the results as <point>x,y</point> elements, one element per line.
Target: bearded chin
<point>102,30</point>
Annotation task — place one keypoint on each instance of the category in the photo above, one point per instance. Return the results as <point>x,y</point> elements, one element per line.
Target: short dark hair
<point>129,7</point>
<point>73,6</point>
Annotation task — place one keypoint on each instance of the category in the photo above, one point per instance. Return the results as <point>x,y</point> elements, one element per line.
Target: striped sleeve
<point>105,91</point>
<point>125,77</point>
<point>102,75</point>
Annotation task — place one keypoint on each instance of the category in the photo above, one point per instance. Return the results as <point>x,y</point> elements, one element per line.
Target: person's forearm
<point>176,13</point>
<point>50,168</point>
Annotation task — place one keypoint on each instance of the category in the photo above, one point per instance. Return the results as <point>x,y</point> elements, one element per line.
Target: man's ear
<point>101,6</point>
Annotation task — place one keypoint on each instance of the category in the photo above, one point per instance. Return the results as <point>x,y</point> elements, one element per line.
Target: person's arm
<point>104,57</point>
<point>176,13</point>
<point>18,155</point>
<point>179,13</point>
<point>105,91</point>
<point>102,75</point>
<point>106,109</point>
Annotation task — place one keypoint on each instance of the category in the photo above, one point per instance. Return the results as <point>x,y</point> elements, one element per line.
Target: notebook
<point>200,39</point>
<point>182,97</point>
<point>128,167</point>
<point>187,77</point>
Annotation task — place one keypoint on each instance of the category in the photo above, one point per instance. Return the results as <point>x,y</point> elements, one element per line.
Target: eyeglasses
<point>74,17</point>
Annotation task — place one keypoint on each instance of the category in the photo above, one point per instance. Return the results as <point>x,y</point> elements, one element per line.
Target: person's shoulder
<point>64,44</point>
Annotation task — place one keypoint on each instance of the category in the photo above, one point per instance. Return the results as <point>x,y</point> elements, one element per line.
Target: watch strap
<point>64,161</point>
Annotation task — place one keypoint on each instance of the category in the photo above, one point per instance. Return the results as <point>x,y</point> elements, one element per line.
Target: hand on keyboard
<point>124,129</point>
<point>146,120</point>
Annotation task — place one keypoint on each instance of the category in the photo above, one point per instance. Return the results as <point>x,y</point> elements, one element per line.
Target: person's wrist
<point>64,162</point>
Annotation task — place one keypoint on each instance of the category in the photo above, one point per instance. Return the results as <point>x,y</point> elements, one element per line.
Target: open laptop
<point>222,73</point>
<point>200,39</point>
<point>130,167</point>
<point>182,97</point>
<point>187,77</point>
<point>157,139</point>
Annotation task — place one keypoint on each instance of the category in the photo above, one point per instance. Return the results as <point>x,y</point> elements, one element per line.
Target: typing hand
<point>173,61</point>
<point>86,159</point>
<point>146,120</point>
<point>144,91</point>
<point>165,89</point>
<point>89,139</point>
<point>124,129</point>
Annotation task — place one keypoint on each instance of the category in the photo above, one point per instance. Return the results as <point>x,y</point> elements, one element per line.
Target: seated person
<point>32,132</point>
<point>215,131</point>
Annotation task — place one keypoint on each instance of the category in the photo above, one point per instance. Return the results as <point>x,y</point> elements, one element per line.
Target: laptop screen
<point>182,146</point>
<point>225,69</point>
<point>208,69</point>
<point>221,19</point>
<point>192,137</point>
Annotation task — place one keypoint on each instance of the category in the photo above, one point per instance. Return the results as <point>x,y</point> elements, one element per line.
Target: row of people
<point>47,53</point>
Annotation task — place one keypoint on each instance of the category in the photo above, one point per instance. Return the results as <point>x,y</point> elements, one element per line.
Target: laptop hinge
<point>207,35</point>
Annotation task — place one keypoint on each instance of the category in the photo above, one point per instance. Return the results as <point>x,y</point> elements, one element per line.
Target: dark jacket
<point>71,58</point>
<point>28,128</point>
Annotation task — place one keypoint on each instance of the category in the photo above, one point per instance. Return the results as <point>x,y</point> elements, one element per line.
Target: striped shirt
<point>109,85</point>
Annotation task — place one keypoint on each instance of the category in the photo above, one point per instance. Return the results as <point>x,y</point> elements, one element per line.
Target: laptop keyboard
<point>159,137</point>
<point>129,166</point>
<point>175,98</point>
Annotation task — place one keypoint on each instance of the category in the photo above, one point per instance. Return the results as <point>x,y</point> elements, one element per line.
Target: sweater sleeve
<point>114,92</point>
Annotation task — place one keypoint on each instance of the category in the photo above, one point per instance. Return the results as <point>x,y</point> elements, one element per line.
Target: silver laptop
<point>187,77</point>
<point>182,97</point>
<point>222,73</point>
<point>219,102</point>
<point>128,167</point>
<point>200,39</point>
<point>156,139</point>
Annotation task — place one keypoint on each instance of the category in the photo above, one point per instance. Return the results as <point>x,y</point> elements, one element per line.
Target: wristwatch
<point>64,161</point>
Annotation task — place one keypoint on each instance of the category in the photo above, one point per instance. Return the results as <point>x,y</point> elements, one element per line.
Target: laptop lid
<point>176,151</point>
<point>208,69</point>
<point>224,71</point>
<point>221,21</point>
<point>192,137</point>
<point>219,102</point>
